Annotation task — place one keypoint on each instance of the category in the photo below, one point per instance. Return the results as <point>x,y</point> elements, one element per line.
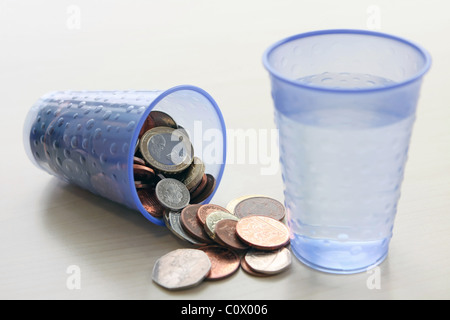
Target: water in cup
<point>344,179</point>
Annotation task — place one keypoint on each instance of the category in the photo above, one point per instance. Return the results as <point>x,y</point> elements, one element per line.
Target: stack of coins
<point>167,174</point>
<point>249,232</point>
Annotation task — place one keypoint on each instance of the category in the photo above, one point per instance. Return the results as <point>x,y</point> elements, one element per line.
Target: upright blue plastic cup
<point>88,138</point>
<point>345,103</point>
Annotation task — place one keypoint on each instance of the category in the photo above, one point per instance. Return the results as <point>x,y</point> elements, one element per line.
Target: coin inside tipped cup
<point>166,149</point>
<point>172,194</point>
<point>150,202</point>
<point>207,190</point>
<point>194,173</point>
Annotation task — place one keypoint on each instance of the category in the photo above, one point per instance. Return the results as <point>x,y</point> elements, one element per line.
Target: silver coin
<point>268,262</point>
<point>136,147</point>
<point>172,194</point>
<point>172,221</point>
<point>213,218</point>
<point>181,269</point>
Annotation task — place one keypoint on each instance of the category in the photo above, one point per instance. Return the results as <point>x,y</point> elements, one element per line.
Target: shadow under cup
<point>345,103</point>
<point>89,138</point>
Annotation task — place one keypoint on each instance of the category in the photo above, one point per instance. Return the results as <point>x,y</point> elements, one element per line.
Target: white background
<point>47,226</point>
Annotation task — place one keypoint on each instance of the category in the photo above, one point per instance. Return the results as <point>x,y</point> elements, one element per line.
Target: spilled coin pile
<point>248,233</point>
<point>167,175</point>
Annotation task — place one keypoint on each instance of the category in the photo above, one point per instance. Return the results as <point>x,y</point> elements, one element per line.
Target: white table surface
<point>47,226</point>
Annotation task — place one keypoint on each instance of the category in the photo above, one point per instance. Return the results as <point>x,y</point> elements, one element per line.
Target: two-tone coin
<point>224,261</point>
<point>262,206</point>
<point>172,194</point>
<point>181,269</point>
<point>268,262</point>
<point>166,149</point>
<point>200,187</point>
<point>262,232</point>
<point>194,174</point>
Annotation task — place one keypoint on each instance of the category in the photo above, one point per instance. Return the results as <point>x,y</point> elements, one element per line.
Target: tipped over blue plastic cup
<point>345,103</point>
<point>88,138</point>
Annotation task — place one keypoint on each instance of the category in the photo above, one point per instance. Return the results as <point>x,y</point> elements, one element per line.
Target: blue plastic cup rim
<point>420,73</point>
<point>141,123</point>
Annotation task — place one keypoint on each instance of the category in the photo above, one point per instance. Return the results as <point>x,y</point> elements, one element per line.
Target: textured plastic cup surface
<point>345,103</point>
<point>88,138</point>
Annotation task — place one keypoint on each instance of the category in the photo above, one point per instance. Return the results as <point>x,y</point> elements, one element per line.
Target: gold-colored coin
<point>166,149</point>
<point>194,173</point>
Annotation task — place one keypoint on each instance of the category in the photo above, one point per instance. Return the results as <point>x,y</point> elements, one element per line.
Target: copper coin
<point>211,221</point>
<point>206,209</point>
<point>249,270</point>
<point>137,160</point>
<point>142,185</point>
<point>224,261</point>
<point>143,173</point>
<point>162,119</point>
<point>207,191</point>
<point>270,262</point>
<point>225,232</point>
<point>157,119</point>
<point>200,187</point>
<point>147,125</point>
<point>262,232</point>
<point>233,203</point>
<point>262,206</point>
<point>192,226</point>
<point>150,202</point>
